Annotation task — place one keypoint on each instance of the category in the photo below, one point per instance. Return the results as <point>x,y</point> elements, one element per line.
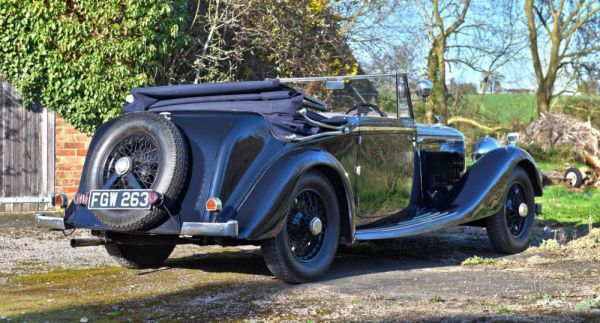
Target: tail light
<point>214,204</point>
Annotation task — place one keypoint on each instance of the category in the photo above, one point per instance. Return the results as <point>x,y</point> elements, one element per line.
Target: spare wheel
<point>153,151</point>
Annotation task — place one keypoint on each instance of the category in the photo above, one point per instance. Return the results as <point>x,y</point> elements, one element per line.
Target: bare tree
<point>442,23</point>
<point>561,20</point>
<point>489,45</point>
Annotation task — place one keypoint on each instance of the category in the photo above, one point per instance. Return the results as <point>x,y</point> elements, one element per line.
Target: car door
<point>385,166</point>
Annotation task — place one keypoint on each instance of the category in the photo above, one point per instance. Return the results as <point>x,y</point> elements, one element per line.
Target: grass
<point>509,108</point>
<point>588,305</point>
<point>500,109</point>
<point>476,260</point>
<point>549,245</point>
<point>565,207</point>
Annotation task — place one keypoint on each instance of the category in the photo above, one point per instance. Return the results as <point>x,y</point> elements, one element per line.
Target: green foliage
<point>560,154</point>
<point>589,304</point>
<point>80,58</point>
<point>567,207</point>
<point>476,260</point>
<point>550,245</point>
<point>581,107</point>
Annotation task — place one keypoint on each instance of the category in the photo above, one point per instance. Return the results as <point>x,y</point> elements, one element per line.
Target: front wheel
<point>510,229</point>
<point>305,247</point>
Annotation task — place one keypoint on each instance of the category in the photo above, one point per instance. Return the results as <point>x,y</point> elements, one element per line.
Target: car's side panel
<point>386,160</point>
<point>478,194</point>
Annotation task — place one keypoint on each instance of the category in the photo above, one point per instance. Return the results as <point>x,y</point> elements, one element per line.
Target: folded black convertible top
<point>215,96</point>
<point>277,102</point>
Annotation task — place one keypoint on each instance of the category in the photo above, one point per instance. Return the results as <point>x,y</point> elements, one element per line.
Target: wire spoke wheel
<point>514,220</point>
<point>144,155</point>
<point>304,241</point>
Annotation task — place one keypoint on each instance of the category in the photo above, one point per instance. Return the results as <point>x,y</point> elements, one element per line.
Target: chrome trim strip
<point>332,78</point>
<point>384,129</point>
<point>303,113</point>
<point>51,222</point>
<point>293,137</point>
<point>227,229</point>
<point>25,199</point>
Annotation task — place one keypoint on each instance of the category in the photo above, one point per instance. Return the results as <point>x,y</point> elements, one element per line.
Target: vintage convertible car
<point>295,165</point>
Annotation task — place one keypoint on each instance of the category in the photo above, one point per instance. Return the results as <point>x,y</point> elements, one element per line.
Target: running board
<point>420,224</point>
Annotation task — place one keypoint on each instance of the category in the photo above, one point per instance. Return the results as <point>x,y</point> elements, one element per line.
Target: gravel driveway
<point>421,278</point>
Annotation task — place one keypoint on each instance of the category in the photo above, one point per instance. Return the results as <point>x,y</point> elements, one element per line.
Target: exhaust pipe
<point>76,243</point>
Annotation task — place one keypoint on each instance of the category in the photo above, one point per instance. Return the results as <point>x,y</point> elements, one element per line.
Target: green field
<point>506,109</point>
<point>512,109</point>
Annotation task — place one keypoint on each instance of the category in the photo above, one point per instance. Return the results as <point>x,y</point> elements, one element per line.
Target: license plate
<point>119,199</point>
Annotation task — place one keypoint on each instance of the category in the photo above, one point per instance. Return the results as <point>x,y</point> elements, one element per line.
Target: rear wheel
<point>305,247</point>
<point>139,257</point>
<point>510,229</point>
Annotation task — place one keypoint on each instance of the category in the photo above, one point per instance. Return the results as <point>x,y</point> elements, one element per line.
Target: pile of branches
<point>554,130</point>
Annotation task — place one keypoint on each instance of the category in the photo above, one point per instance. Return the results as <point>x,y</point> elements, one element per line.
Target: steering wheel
<point>369,106</point>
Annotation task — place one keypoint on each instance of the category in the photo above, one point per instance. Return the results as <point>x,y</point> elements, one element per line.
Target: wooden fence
<point>26,153</point>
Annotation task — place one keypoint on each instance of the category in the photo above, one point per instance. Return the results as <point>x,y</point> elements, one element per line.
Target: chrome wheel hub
<point>316,226</point>
<point>572,178</point>
<point>123,166</point>
<point>523,210</point>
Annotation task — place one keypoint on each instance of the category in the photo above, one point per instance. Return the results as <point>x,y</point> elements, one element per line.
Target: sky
<point>403,26</point>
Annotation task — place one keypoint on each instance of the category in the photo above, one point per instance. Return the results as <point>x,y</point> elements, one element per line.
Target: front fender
<point>261,215</point>
<point>481,190</point>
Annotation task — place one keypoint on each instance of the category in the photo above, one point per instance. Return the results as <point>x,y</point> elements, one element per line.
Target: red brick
<point>81,152</point>
<point>66,152</point>
<point>74,145</point>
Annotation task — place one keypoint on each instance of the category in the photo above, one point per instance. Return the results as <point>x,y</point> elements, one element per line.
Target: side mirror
<point>423,88</point>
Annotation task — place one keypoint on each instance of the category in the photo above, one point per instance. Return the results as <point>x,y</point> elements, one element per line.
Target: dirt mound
<point>553,130</point>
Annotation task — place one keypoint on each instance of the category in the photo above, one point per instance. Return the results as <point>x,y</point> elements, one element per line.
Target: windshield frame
<point>401,80</point>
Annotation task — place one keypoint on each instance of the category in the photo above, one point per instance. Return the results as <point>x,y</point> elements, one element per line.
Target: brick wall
<point>70,149</point>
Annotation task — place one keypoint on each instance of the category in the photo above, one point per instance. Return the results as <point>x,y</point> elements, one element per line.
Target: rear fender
<point>481,190</point>
<point>261,215</point>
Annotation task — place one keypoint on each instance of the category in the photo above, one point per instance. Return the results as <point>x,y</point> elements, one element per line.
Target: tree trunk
<point>543,97</point>
<point>432,72</point>
<point>441,45</point>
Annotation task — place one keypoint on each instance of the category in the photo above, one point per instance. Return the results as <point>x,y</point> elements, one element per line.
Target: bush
<point>81,58</point>
<point>581,107</point>
<point>560,154</point>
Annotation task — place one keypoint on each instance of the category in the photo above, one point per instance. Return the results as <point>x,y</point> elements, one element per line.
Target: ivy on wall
<point>81,57</point>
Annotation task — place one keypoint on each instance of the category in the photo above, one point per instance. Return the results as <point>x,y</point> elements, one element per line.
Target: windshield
<point>340,93</point>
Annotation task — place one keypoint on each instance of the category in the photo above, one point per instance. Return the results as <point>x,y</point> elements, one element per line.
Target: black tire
<point>160,145</point>
<point>573,177</point>
<point>139,257</point>
<point>298,266</point>
<point>508,231</point>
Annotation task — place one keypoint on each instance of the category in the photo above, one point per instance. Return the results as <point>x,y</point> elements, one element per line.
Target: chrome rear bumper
<point>51,222</point>
<point>227,229</point>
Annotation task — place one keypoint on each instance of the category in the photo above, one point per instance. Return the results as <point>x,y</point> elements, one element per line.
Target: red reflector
<point>155,198</point>
<point>80,199</point>
<point>213,204</point>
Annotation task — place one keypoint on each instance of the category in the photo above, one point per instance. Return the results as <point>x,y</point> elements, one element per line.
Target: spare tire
<point>157,158</point>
